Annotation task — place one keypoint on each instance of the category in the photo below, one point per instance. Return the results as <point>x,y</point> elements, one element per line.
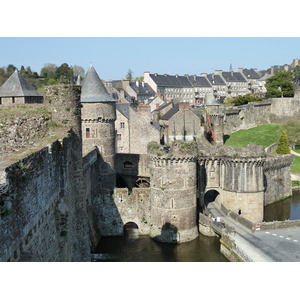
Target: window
<point>122,125</point>
<point>128,165</point>
<point>118,137</point>
<point>87,133</point>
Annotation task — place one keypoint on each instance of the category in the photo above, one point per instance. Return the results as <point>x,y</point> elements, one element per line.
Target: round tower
<point>173,192</point>
<point>98,115</point>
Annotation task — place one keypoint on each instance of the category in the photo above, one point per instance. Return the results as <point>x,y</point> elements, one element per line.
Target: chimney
<point>184,106</point>
<point>137,83</point>
<point>186,75</point>
<point>195,77</point>
<point>176,75</point>
<point>240,70</point>
<point>204,74</point>
<point>218,72</point>
<point>143,84</point>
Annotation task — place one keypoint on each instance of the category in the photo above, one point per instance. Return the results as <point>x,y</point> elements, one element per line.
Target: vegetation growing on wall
<point>241,100</point>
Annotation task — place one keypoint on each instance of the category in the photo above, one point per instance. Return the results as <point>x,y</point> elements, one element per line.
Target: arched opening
<point>131,229</point>
<point>143,182</point>
<point>128,165</point>
<point>210,196</point>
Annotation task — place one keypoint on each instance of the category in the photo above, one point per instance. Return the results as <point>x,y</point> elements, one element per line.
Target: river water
<point>288,209</point>
<point>145,249</point>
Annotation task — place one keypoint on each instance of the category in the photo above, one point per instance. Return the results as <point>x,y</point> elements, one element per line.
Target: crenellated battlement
<point>278,161</point>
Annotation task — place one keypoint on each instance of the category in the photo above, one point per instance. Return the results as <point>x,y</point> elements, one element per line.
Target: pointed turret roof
<point>93,89</point>
<point>17,86</point>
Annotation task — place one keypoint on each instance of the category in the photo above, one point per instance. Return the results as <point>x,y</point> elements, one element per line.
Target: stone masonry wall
<point>277,177</point>
<point>39,219</point>
<point>262,112</point>
<point>19,132</point>
<point>43,212</point>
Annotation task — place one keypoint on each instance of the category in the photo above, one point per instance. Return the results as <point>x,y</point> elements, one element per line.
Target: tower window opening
<point>118,137</point>
<point>122,125</point>
<point>87,133</point>
<point>128,165</point>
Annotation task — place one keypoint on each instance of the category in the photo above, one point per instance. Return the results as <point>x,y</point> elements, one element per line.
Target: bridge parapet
<point>279,224</point>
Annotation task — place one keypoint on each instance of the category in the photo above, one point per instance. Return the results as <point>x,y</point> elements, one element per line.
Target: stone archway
<point>131,229</point>
<point>211,196</point>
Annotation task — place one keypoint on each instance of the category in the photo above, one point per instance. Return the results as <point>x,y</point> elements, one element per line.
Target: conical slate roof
<point>17,86</point>
<point>93,89</point>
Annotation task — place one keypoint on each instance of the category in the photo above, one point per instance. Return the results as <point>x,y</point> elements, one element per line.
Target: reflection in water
<point>288,209</point>
<point>145,249</point>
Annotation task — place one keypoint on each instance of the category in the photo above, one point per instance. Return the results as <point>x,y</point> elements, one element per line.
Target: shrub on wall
<point>241,100</point>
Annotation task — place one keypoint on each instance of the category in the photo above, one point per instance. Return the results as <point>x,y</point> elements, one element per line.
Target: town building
<point>236,83</point>
<point>134,129</point>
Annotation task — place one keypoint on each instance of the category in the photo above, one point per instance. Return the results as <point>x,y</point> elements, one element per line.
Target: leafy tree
<point>48,71</point>
<point>292,128</point>
<point>129,74</point>
<point>283,144</point>
<point>280,85</point>
<point>64,74</point>
<point>10,69</point>
<point>296,76</point>
<point>78,71</point>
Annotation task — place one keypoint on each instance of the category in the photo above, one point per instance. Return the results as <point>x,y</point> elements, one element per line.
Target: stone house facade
<point>134,129</point>
<point>180,124</point>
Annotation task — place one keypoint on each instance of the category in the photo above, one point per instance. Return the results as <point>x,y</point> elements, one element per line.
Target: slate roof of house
<point>266,76</point>
<point>156,126</point>
<point>146,89</point>
<point>233,77</point>
<point>171,80</point>
<point>250,74</point>
<point>93,89</point>
<point>171,112</point>
<point>163,106</point>
<point>215,79</point>
<point>17,86</point>
<point>199,81</point>
<point>123,108</point>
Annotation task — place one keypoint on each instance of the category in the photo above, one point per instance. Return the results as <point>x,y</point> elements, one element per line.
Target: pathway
<point>264,246</point>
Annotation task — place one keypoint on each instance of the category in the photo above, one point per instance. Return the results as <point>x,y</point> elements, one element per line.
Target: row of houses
<point>196,90</point>
<point>207,88</point>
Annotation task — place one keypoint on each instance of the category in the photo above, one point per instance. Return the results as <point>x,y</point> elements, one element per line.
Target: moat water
<point>203,249</point>
<point>145,249</point>
<point>288,209</point>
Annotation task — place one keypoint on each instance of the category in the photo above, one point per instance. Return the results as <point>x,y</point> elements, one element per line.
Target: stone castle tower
<point>98,114</point>
<point>173,193</point>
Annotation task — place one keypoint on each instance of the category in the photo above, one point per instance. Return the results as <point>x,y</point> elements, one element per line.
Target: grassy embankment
<point>30,110</point>
<point>264,135</point>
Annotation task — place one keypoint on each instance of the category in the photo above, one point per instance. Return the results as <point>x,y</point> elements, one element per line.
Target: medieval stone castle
<point>60,200</point>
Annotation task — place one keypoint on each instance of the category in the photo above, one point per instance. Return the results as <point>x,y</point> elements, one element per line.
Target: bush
<point>241,100</point>
<point>283,144</point>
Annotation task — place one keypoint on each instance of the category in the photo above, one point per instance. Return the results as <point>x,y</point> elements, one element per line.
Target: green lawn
<point>295,166</point>
<point>264,135</point>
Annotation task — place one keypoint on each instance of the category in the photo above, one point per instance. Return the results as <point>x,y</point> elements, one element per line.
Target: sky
<point>112,57</point>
